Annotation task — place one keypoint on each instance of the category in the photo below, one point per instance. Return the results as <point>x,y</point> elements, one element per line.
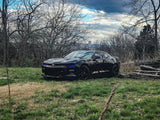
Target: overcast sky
<point>109,6</point>
<point>104,17</point>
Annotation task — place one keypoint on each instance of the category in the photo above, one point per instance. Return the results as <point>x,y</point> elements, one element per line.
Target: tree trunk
<point>156,39</point>
<point>6,39</point>
<point>155,24</point>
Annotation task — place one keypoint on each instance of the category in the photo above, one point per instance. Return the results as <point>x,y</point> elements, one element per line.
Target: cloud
<point>109,6</point>
<point>102,24</point>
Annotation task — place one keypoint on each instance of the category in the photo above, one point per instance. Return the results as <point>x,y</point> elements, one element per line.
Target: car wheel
<point>115,70</point>
<point>45,77</point>
<point>84,72</point>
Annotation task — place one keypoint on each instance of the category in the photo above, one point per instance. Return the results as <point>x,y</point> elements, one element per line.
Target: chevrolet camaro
<point>82,64</point>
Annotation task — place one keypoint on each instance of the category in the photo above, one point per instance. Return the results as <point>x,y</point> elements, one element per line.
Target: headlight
<point>44,64</point>
<point>71,65</point>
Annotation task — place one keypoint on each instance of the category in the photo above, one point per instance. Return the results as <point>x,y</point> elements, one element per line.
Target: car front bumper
<point>59,71</point>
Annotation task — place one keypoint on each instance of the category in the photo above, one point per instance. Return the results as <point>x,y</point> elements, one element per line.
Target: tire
<point>45,77</point>
<point>84,72</point>
<point>115,70</point>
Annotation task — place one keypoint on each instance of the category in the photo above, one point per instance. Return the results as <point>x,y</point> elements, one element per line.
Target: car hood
<point>61,60</point>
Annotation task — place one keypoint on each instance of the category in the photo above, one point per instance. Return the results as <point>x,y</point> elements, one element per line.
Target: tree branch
<point>154,7</point>
<point>107,104</point>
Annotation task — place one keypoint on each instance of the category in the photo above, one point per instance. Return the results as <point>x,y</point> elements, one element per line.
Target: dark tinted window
<point>107,56</point>
<point>99,54</point>
<point>80,54</point>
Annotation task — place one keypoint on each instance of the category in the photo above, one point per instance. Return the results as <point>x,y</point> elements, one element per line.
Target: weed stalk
<point>107,104</point>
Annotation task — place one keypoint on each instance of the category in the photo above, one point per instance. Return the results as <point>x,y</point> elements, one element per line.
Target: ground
<point>32,97</point>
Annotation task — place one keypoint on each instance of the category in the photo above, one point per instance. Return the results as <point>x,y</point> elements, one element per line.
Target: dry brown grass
<point>20,92</point>
<point>128,67</point>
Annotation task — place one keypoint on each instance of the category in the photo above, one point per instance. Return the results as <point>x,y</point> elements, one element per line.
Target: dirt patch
<point>26,90</point>
<point>60,88</point>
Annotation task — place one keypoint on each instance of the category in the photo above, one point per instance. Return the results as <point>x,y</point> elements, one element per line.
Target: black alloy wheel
<point>84,72</point>
<point>115,70</point>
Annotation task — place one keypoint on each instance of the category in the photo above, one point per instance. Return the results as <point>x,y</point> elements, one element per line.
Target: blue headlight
<point>44,64</point>
<point>71,65</point>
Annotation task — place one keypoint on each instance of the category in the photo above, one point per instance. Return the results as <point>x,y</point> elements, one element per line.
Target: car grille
<point>54,72</point>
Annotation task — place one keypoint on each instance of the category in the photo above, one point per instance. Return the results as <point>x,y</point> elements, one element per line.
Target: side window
<point>107,56</point>
<point>98,55</point>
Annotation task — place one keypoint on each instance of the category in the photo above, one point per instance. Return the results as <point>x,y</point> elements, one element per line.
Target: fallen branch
<point>147,71</point>
<point>155,63</point>
<point>107,104</point>
<point>146,67</point>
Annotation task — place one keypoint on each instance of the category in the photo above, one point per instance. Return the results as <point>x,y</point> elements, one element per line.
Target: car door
<point>98,62</point>
<point>108,62</point>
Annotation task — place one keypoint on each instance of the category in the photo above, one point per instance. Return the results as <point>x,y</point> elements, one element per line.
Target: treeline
<point>139,37</point>
<point>32,31</point>
<point>126,47</point>
<point>120,45</point>
<point>38,30</point>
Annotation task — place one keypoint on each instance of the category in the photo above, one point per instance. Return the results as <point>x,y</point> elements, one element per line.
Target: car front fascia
<point>60,70</point>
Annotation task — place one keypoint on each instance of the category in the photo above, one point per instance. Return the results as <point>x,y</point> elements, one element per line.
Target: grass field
<point>34,98</point>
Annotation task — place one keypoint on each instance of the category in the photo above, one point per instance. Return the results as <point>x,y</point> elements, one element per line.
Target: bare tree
<point>63,30</point>
<point>4,17</point>
<point>26,25</point>
<point>156,13</point>
<point>148,12</point>
<point>120,45</point>
<point>39,30</point>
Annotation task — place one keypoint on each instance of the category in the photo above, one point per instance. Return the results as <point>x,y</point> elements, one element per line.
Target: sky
<point>104,17</point>
<point>109,6</point>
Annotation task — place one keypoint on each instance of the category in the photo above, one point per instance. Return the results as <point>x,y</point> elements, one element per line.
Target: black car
<point>81,64</point>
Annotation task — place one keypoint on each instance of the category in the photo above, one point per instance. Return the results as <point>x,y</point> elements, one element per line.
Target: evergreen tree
<point>145,45</point>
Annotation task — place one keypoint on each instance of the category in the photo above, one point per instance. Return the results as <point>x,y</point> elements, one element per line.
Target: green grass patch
<point>80,100</point>
<point>5,81</point>
<point>89,88</point>
<point>22,74</point>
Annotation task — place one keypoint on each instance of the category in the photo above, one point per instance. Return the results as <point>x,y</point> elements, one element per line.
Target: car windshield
<point>80,54</point>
